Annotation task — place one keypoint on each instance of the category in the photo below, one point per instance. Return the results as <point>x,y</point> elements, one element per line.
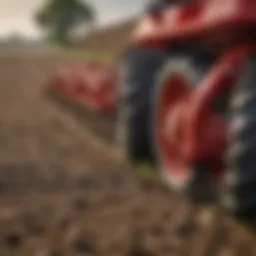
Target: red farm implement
<point>184,98</point>
<point>90,85</point>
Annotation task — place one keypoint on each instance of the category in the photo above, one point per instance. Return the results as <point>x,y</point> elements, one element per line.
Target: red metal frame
<point>200,20</point>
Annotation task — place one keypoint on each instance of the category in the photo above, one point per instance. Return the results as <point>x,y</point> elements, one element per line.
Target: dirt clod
<point>13,241</point>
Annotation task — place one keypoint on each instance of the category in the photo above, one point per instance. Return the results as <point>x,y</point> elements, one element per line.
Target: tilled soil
<point>65,191</point>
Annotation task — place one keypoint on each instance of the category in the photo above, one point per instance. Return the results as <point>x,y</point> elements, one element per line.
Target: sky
<point>16,16</point>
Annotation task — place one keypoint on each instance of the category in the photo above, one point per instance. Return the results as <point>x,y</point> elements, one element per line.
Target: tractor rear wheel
<point>241,155</point>
<point>138,70</point>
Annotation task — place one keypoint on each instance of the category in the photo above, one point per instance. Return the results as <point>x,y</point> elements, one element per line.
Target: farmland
<point>65,190</point>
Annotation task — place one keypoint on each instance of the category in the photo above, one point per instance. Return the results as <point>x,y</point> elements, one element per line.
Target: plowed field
<point>64,190</point>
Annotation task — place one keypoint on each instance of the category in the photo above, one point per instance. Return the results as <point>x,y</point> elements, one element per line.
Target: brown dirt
<point>63,191</point>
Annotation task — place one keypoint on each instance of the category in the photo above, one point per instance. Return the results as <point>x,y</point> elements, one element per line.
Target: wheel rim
<point>173,168</point>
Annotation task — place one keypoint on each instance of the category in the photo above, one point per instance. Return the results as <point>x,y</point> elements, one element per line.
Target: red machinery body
<point>190,130</point>
<point>91,85</point>
<point>200,20</point>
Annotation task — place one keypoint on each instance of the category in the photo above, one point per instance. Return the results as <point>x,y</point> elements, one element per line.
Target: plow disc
<point>88,91</point>
<point>91,85</point>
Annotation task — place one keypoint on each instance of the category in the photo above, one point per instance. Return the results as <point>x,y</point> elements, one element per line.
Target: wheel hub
<point>186,140</point>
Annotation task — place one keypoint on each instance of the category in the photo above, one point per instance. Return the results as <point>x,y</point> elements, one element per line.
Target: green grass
<point>146,170</point>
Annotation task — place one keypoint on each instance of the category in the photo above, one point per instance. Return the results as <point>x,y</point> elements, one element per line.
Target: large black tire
<point>192,66</point>
<point>138,70</point>
<point>241,156</point>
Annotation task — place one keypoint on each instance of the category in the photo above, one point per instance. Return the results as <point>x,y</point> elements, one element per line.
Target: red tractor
<point>185,98</point>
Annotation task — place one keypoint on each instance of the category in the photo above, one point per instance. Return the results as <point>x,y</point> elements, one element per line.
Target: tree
<point>58,17</point>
